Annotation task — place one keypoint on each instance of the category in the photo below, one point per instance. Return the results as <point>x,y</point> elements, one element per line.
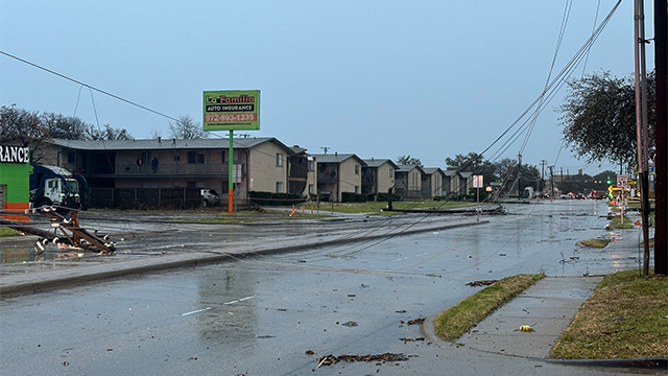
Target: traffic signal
<point>609,181</point>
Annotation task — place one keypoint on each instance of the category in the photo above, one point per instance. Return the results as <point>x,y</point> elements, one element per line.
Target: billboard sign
<point>231,110</point>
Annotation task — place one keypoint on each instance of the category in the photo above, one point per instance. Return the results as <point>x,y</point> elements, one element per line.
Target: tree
<point>461,162</point>
<point>408,160</point>
<point>107,133</point>
<point>599,117</point>
<point>186,128</point>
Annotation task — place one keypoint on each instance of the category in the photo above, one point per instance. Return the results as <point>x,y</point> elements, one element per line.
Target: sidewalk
<point>548,307</point>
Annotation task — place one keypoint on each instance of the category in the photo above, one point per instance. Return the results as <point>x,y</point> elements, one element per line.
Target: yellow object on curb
<point>525,328</point>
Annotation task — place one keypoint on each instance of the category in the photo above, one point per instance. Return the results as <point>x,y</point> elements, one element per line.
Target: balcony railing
<point>175,169</point>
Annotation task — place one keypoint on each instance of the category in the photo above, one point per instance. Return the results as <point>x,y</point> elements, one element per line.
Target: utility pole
<point>661,134</point>
<point>519,176</point>
<point>542,175</point>
<point>551,183</point>
<point>641,124</point>
<point>325,148</point>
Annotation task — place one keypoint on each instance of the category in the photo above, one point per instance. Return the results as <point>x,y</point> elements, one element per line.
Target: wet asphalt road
<point>260,316</point>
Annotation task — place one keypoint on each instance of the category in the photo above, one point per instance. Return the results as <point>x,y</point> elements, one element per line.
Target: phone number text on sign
<point>229,118</point>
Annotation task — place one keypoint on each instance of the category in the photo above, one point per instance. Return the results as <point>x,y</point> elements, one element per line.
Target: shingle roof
<point>431,170</point>
<point>406,168</point>
<point>165,144</point>
<point>335,158</point>
<point>378,162</point>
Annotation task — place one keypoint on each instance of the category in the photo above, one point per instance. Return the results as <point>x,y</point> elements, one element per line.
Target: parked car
<point>210,197</point>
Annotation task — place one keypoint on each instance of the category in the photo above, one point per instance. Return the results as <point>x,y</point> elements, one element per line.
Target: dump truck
<point>53,185</point>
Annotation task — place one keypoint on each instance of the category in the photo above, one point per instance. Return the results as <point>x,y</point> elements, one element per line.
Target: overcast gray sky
<point>376,78</point>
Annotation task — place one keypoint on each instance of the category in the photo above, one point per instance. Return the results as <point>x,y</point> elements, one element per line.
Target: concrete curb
<point>27,283</point>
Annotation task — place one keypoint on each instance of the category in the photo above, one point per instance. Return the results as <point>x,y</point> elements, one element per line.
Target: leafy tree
<point>469,162</point>
<point>408,160</point>
<point>186,128</point>
<point>599,117</point>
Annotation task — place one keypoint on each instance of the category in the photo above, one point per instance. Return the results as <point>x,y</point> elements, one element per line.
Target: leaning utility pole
<point>661,134</point>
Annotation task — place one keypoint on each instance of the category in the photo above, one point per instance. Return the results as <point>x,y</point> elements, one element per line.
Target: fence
<point>146,198</point>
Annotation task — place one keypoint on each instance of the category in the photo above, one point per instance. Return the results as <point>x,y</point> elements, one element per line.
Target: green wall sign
<point>231,110</point>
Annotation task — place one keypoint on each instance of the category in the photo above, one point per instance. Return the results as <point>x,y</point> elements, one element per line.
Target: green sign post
<point>231,110</point>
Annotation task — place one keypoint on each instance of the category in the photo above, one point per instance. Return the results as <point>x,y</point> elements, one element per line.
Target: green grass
<point>595,243</point>
<point>6,231</point>
<point>616,223</point>
<point>457,320</point>
<point>624,318</point>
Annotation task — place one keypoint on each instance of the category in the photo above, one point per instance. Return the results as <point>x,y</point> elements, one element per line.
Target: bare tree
<point>186,128</point>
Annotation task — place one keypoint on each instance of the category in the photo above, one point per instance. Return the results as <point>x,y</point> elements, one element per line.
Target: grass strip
<point>624,318</point>
<point>457,320</point>
<point>6,232</point>
<point>595,243</point>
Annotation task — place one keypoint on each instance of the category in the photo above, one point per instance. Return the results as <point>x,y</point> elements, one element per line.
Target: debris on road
<point>328,360</point>
<point>486,282</point>
<point>524,328</point>
<point>417,321</point>
<point>411,339</point>
<point>350,324</point>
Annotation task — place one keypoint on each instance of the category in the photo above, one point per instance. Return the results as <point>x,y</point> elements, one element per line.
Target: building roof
<point>432,170</point>
<point>165,144</point>
<point>410,167</point>
<point>336,158</point>
<point>379,162</point>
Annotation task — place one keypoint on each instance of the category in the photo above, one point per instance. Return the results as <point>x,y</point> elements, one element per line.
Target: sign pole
<point>230,181</point>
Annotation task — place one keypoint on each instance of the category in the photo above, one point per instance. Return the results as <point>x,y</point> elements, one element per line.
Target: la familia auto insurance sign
<point>231,110</point>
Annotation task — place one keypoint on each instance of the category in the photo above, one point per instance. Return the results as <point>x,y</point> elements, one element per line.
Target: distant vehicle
<point>210,197</point>
<point>53,185</point>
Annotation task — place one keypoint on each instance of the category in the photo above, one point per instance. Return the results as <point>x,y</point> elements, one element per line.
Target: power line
<point>89,86</point>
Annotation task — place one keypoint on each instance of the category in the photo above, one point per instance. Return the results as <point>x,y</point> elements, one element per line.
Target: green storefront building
<point>15,172</point>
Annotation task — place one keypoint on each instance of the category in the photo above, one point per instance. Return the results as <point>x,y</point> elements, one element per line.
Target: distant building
<point>338,173</point>
<point>378,175</point>
<point>408,181</point>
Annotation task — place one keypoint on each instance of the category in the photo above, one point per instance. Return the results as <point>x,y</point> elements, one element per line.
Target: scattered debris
<point>485,282</point>
<point>524,328</point>
<point>309,352</point>
<point>417,321</point>
<point>411,339</point>
<point>350,324</point>
<point>402,311</point>
<point>192,358</point>
<point>328,360</point>
<point>433,275</point>
<point>502,254</point>
<point>351,295</point>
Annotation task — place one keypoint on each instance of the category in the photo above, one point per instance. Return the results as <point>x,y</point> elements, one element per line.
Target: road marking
<point>400,259</point>
<point>240,300</point>
<point>196,311</point>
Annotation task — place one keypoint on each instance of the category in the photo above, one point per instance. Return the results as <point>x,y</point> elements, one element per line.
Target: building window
<point>279,187</point>
<point>279,159</point>
<point>311,166</point>
<point>357,189</point>
<point>177,156</point>
<point>195,157</point>
<point>311,189</point>
<point>391,173</point>
<point>223,157</point>
<point>71,157</point>
<point>357,169</point>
